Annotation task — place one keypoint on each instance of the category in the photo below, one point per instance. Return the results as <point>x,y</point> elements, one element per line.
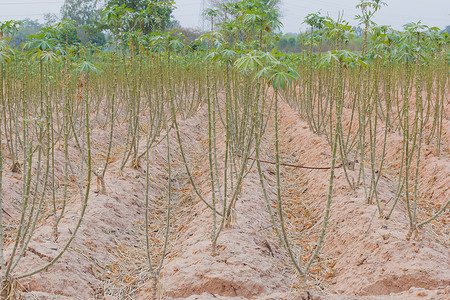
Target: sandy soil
<point>364,256</point>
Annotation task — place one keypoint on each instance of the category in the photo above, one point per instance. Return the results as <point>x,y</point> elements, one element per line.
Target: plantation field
<point>363,254</point>
<point>158,168</point>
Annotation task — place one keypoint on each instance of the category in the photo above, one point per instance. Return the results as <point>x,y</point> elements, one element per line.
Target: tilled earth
<point>364,256</point>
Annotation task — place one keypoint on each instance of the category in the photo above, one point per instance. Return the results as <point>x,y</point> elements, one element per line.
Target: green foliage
<point>82,12</point>
<point>6,53</point>
<point>68,34</point>
<point>9,28</point>
<point>27,27</point>
<point>86,67</point>
<point>315,20</point>
<point>85,16</point>
<point>446,29</point>
<point>91,34</point>
<point>368,9</point>
<point>147,15</point>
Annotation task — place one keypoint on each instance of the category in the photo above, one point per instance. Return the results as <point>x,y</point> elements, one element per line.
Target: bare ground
<point>364,256</point>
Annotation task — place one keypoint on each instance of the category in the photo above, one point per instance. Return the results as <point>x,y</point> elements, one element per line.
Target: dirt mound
<point>110,220</point>
<point>373,256</point>
<point>247,263</point>
<point>110,232</point>
<point>367,257</point>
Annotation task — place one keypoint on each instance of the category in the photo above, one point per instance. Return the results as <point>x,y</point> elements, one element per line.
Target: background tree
<point>220,4</point>
<point>82,12</point>
<point>69,34</point>
<point>149,15</point>
<point>447,29</point>
<point>86,15</point>
<point>50,19</point>
<point>27,27</point>
<point>268,3</point>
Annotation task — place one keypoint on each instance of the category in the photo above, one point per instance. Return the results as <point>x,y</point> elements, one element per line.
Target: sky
<point>188,12</point>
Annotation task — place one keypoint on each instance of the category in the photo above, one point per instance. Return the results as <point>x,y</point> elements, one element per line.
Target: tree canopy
<point>82,12</point>
<point>149,15</point>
